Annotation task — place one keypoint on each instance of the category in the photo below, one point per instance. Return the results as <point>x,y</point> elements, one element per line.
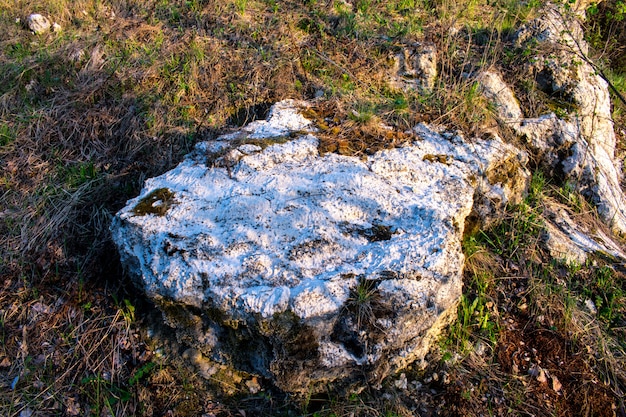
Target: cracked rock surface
<point>577,147</point>
<point>311,269</point>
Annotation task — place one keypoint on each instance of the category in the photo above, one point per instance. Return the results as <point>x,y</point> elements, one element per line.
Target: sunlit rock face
<point>577,143</point>
<point>312,269</point>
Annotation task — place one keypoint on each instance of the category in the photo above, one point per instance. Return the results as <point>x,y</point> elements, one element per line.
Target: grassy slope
<point>128,87</point>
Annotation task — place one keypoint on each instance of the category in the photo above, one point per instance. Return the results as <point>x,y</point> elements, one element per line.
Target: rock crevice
<point>578,144</point>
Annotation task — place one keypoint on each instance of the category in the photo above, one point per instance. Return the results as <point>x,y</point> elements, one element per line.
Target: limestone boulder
<point>307,269</point>
<point>549,137</point>
<point>577,145</point>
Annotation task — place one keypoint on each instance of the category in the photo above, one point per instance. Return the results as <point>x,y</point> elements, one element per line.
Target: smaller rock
<point>415,68</point>
<point>500,94</point>
<point>561,246</point>
<point>572,242</point>
<point>38,24</point>
<point>27,412</point>
<point>591,306</point>
<point>538,373</point>
<point>56,28</point>
<point>401,382</point>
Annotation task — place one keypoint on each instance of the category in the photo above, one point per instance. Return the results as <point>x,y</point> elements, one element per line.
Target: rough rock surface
<point>502,97</point>
<point>568,240</point>
<point>307,268</point>
<point>415,67</point>
<point>38,24</point>
<point>579,147</point>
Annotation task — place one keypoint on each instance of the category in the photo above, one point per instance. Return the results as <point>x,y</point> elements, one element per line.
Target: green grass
<point>78,174</point>
<point>510,279</point>
<point>475,320</point>
<point>7,135</point>
<point>102,395</point>
<point>362,300</point>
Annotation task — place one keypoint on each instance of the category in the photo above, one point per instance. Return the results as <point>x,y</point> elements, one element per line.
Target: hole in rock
<point>377,233</point>
<point>249,114</point>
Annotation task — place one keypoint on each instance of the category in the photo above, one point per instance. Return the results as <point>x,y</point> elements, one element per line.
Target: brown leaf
<point>72,408</point>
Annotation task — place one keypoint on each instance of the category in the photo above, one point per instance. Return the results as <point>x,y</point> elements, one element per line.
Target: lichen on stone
<point>158,202</point>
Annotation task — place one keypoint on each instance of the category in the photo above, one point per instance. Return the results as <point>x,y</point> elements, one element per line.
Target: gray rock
<point>309,269</point>
<point>500,94</point>
<point>415,67</point>
<point>38,24</point>
<point>578,147</point>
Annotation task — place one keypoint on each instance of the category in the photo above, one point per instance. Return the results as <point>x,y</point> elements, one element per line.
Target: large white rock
<point>309,268</point>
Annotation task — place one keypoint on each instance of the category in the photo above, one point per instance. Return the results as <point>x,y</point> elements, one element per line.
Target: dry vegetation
<point>128,86</point>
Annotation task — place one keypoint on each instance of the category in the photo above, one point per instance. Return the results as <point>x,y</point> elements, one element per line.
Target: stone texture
<point>578,147</point>
<point>500,94</point>
<point>311,269</point>
<point>573,242</point>
<point>38,24</point>
<point>415,67</point>
<point>585,140</point>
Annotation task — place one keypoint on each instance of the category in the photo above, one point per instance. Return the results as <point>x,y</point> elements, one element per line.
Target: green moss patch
<point>158,202</point>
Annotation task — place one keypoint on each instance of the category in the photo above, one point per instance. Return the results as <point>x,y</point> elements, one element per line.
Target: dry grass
<point>127,88</point>
<point>56,353</point>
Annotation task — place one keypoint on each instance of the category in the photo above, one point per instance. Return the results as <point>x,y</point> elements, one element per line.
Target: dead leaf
<point>72,408</point>
<point>515,369</point>
<point>253,385</point>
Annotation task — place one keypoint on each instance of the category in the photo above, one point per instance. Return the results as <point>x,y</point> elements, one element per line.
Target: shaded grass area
<point>547,345</point>
<point>128,87</point>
